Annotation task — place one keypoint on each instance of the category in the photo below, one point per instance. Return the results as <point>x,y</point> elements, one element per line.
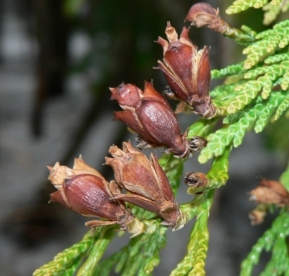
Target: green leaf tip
<point>67,261</point>
<point>274,239</point>
<point>194,261</point>
<point>139,257</point>
<point>242,5</point>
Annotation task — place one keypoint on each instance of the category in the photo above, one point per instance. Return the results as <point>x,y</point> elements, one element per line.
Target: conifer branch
<point>253,95</point>
<point>194,261</point>
<point>273,241</point>
<point>68,260</point>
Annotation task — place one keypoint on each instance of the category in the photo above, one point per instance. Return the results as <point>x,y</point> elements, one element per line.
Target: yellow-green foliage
<point>242,5</point>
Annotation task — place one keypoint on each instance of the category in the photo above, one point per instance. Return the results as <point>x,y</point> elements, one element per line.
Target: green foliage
<point>218,174</point>
<point>248,100</point>
<point>96,251</point>
<point>236,125</point>
<point>274,240</point>
<point>139,257</point>
<point>242,5</point>
<point>267,43</point>
<point>262,79</point>
<point>253,100</point>
<point>68,260</point>
<point>194,261</point>
<point>228,71</point>
<point>272,11</point>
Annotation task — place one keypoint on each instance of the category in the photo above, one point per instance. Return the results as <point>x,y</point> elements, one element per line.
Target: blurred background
<point>57,60</point>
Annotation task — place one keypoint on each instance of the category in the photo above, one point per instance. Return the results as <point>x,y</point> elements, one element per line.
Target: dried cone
<point>85,191</point>
<point>197,182</point>
<point>146,181</point>
<point>187,71</point>
<point>202,14</point>
<point>149,115</point>
<point>270,192</point>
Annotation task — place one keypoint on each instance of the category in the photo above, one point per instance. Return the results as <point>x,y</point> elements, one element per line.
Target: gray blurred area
<point>39,127</point>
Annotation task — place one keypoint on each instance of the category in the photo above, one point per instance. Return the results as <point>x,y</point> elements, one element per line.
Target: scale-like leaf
<point>242,5</point>
<point>68,260</point>
<point>194,261</point>
<point>273,239</point>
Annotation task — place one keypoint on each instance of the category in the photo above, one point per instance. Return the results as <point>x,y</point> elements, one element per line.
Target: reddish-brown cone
<point>202,14</point>
<point>149,115</point>
<point>187,71</point>
<point>145,180</point>
<point>83,190</point>
<point>270,192</point>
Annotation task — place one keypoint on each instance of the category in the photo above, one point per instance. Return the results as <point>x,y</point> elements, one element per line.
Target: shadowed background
<point>57,60</point>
